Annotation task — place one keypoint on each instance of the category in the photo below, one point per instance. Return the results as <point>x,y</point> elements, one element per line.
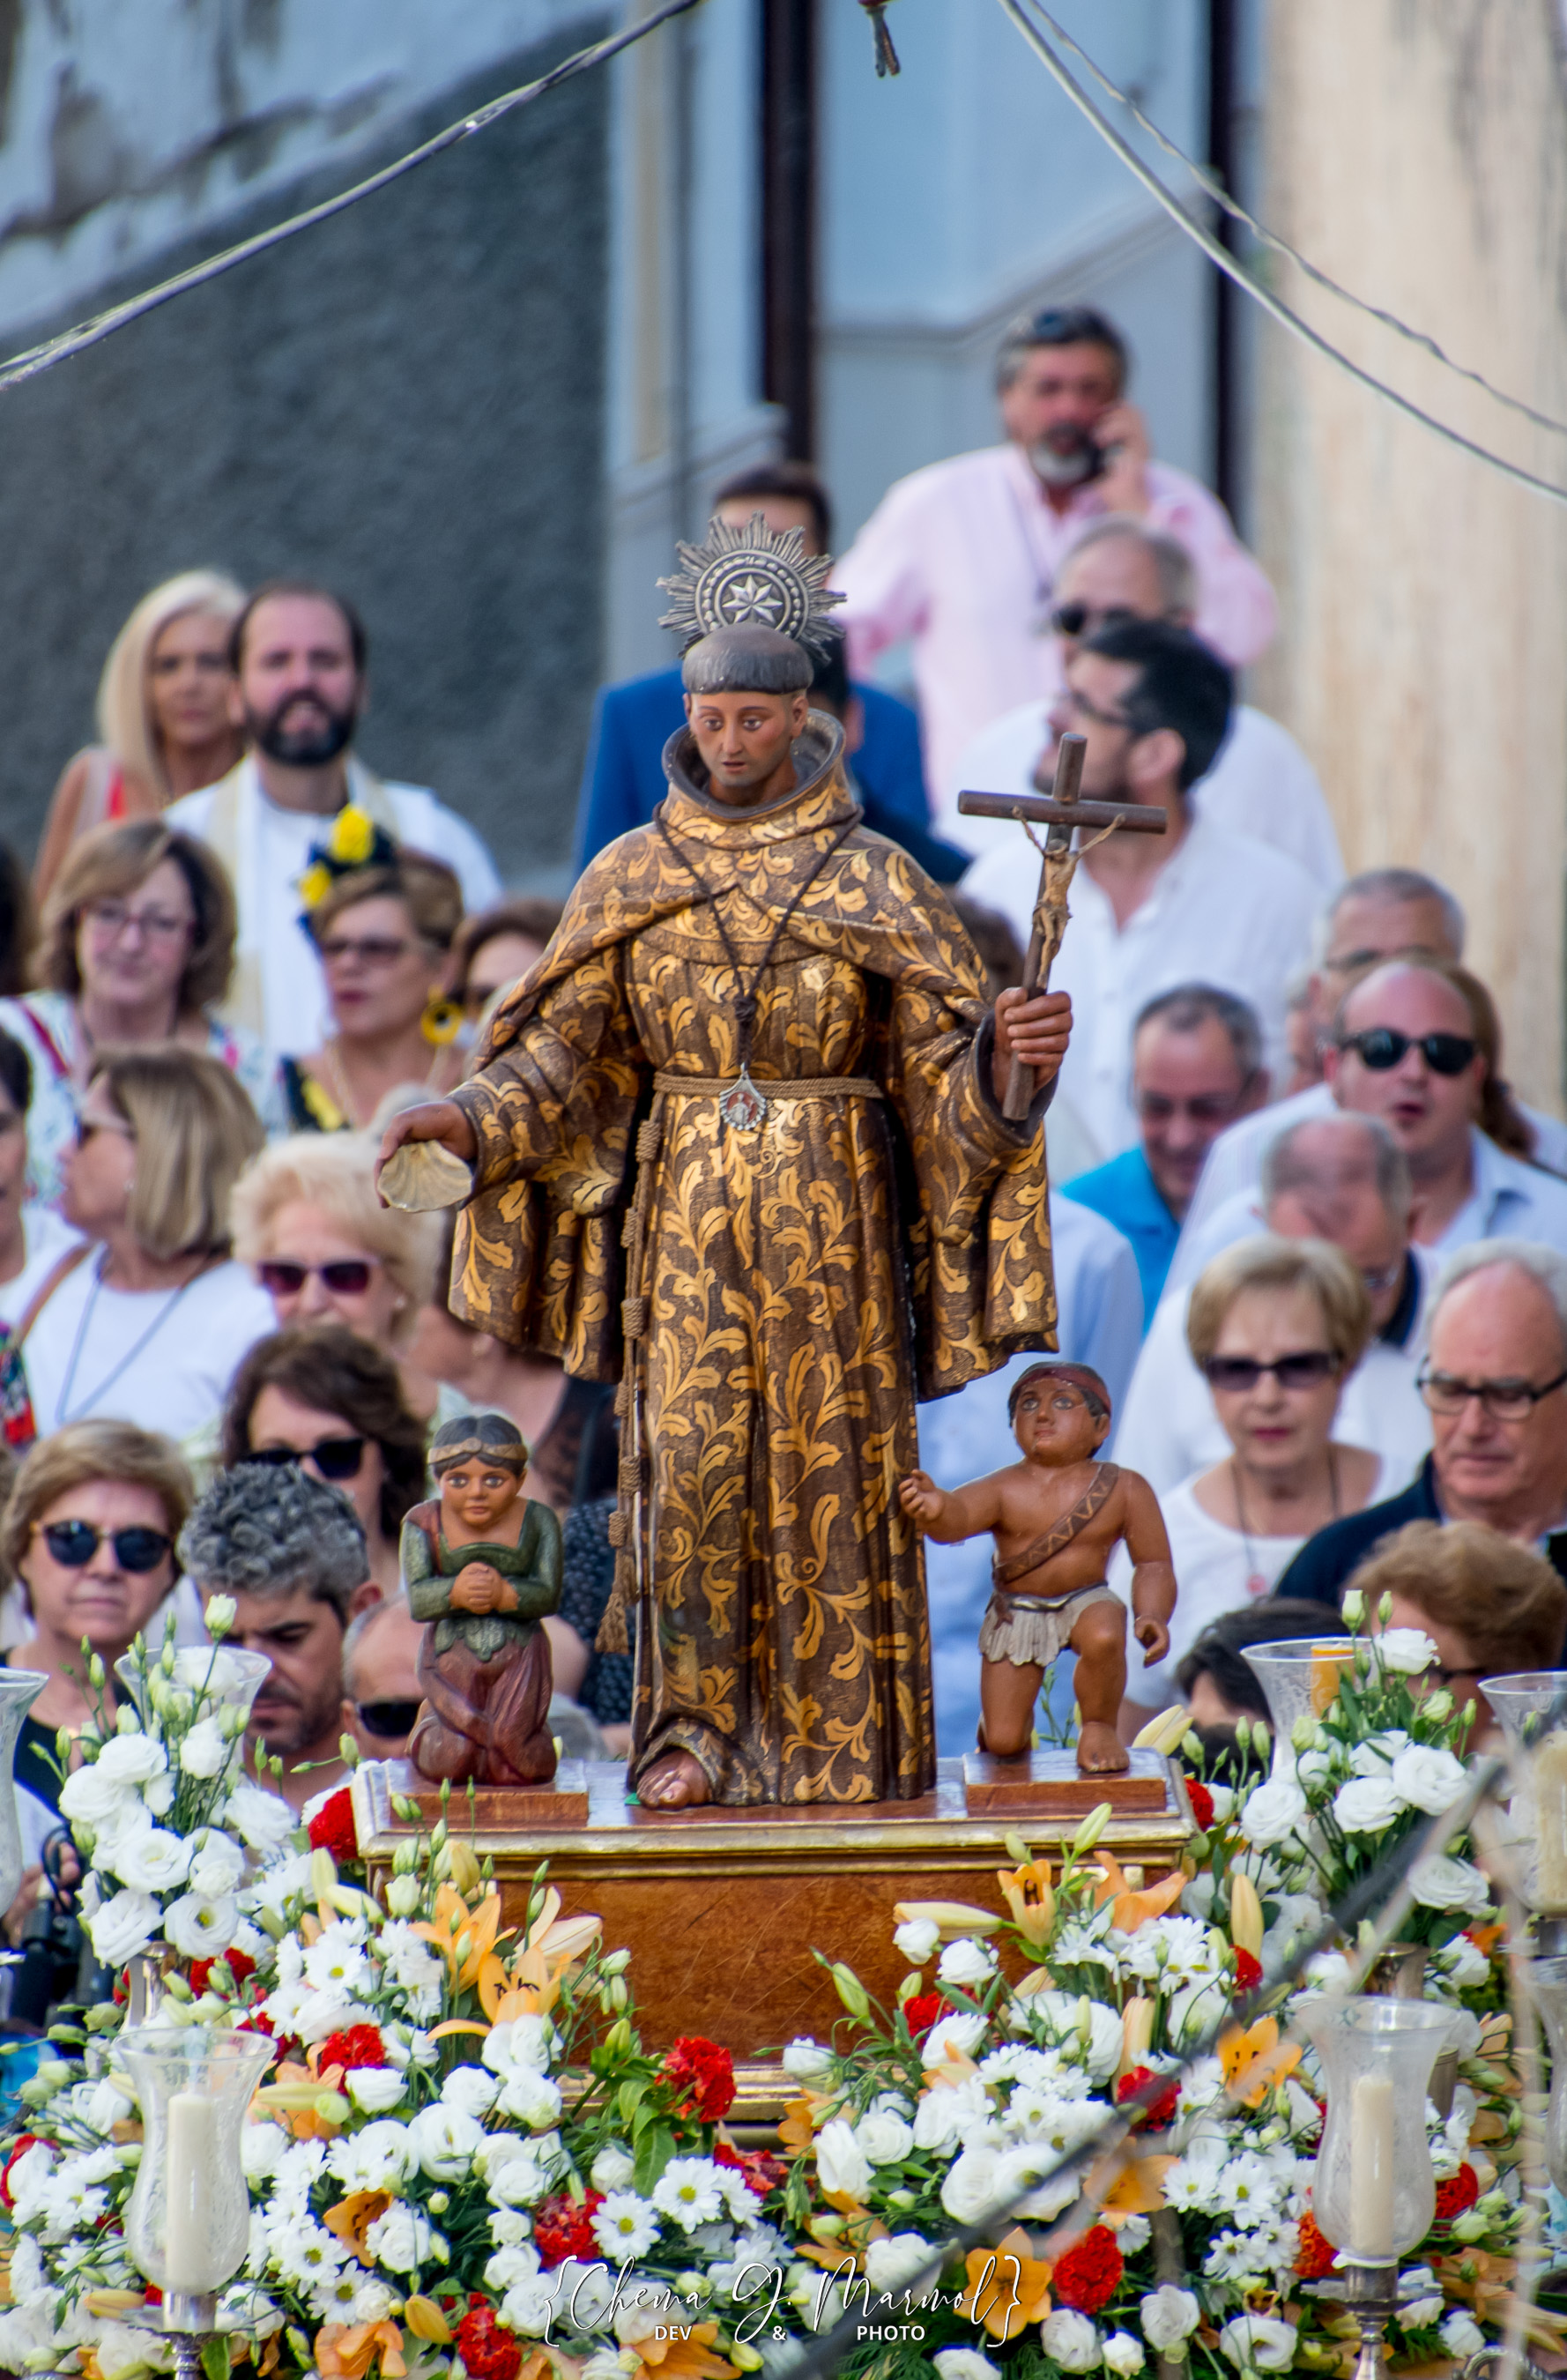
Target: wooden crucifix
<point>1061,811</point>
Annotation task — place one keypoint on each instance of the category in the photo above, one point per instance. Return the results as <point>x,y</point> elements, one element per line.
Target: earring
<point>442,1021</point>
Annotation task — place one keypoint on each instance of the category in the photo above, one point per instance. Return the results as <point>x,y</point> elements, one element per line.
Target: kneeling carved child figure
<point>1055,1518</point>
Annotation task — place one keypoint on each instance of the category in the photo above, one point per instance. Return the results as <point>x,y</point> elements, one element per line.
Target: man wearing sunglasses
<point>1261,782</point>
<point>1495,1382</point>
<point>964,556</point>
<point>380,1677</point>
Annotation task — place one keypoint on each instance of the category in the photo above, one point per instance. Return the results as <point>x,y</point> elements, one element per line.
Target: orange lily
<point>1138,2188</point>
<point>952,2069</point>
<point>1134,1908</point>
<point>551,1945</point>
<point>1026,1891</point>
<point>352,2216</point>
<point>291,2100</point>
<point>458,1927</point>
<point>684,2356</point>
<point>345,2350</point>
<point>1253,2061</point>
<point>798,2131</point>
<point>1008,2288</point>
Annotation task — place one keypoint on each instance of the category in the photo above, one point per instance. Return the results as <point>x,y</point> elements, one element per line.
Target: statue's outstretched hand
<point>1035,1030</point>
<point>441,1120</point>
<point>920,1497</point>
<point>1154,1636</point>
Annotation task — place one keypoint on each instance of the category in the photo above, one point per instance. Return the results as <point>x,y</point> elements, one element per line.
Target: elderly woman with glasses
<point>384,934</point>
<point>136,949</point>
<point>1274,1326</point>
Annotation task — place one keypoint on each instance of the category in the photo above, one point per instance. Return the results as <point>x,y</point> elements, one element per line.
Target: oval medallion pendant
<point>743,1106</point>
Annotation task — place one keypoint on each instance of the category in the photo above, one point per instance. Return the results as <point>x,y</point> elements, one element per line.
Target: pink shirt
<point>963,557</point>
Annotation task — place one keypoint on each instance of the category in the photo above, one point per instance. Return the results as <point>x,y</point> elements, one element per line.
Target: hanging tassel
<point>614,1635</point>
<point>886,56</point>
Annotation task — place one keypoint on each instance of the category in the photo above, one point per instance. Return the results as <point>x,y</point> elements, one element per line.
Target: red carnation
<point>1161,2112</point>
<point>488,2352</point>
<point>1201,1801</point>
<point>238,1966</point>
<point>1457,2195</point>
<point>1248,1970</point>
<point>360,2045</point>
<point>1088,2274</point>
<point>332,1829</point>
<point>705,2074</point>
<point>562,2229</point>
<point>1316,2256</point>
<point>760,2171</point>
<point>922,2012</point>
<point>28,2141</point>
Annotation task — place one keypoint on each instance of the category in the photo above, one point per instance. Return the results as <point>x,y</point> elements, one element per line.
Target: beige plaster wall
<point>1417,150</point>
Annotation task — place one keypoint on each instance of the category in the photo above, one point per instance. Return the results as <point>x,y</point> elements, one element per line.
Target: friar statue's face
<point>744,740</point>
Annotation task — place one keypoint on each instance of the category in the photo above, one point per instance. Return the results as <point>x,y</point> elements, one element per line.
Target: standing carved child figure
<point>483,1565</point>
<point>1055,1517</point>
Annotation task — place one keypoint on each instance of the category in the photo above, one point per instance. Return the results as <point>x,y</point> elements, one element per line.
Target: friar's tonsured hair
<point>746,660</point>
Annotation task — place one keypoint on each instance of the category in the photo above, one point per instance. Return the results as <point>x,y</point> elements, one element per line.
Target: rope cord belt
<point>808,1087</point>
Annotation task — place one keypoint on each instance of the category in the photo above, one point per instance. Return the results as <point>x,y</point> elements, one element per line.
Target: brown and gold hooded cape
<point>799,1284</point>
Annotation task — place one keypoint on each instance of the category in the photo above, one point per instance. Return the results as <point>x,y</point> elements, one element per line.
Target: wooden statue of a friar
<point>737,1142</point>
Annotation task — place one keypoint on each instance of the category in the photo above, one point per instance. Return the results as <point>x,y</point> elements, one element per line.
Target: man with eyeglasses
<point>1339,1178</point>
<point>1261,782</point>
<point>963,556</point>
<point>1197,1064</point>
<point>1495,1382</point>
<point>1197,902</point>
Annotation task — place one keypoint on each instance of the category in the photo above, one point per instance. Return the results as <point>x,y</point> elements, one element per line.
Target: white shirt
<point>44,1240</point>
<point>1261,785</point>
<point>1235,1162</point>
<point>160,1357</point>
<point>1169,1428</point>
<point>1214,1570</point>
<point>271,852</point>
<point>1509,1200</point>
<point>1224,909</point>
<point>966,1434</point>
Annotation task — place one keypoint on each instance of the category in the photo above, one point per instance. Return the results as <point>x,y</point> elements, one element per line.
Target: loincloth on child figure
<point>1035,1629</point>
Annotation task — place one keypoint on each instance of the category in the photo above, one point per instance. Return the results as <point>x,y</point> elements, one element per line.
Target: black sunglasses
<point>388,1719</point>
<point>1302,1370</point>
<point>344,1276</point>
<point>74,1543</point>
<point>334,1458</point>
<point>1071,619</point>
<point>1382,1046</point>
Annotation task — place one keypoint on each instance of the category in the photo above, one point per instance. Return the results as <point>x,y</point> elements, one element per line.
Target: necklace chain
<point>1256,1585</point>
<point>63,1412</point>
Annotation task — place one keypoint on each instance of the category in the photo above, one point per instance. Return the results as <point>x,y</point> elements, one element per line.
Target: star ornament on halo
<point>750,578</point>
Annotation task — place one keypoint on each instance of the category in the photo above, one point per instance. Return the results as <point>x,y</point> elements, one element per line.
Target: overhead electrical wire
<point>32,361</point>
<point>1235,271</point>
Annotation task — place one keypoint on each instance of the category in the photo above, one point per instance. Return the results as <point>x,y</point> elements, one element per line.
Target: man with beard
<point>298,654</point>
<point>963,556</point>
<point>1198,903</point>
<point>290,1553</point>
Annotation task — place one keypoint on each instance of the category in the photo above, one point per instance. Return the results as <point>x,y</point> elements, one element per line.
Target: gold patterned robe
<point>803,1282</point>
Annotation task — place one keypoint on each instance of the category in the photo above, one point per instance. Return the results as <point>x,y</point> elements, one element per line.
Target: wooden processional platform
<point>721,1909</point>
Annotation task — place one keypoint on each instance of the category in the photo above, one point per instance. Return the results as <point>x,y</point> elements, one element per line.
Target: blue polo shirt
<point>1124,1192</point>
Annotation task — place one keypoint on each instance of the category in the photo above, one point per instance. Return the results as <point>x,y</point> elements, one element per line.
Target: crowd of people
<point>1308,1238</point>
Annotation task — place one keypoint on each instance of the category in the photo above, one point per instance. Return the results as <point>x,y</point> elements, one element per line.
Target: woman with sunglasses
<point>319,1396</point>
<point>307,1220</point>
<point>384,934</point>
<point>1275,1326</point>
<point>150,1314</point>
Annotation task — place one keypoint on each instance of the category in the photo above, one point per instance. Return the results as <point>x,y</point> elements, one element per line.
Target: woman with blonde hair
<point>137,949</point>
<point>308,1221</point>
<point>154,1314</point>
<point>163,715</point>
<point>1276,1327</point>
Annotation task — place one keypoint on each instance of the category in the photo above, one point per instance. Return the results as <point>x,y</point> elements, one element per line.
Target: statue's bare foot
<point>1101,1752</point>
<point>677,1782</point>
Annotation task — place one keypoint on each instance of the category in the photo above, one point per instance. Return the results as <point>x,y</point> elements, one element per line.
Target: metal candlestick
<point>187,2321</point>
<point>1373,2293</point>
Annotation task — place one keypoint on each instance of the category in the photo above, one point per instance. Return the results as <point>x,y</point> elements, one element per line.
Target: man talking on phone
<point>963,556</point>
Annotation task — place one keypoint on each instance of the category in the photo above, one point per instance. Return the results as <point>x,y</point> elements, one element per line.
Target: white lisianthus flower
<point>530,2309</point>
<point>445,2140</point>
<point>509,2227</point>
<point>1255,2341</point>
<point>971,2188</point>
<point>1428,1777</point>
<point>404,1894</point>
<point>883,2134</point>
<point>1462,2335</point>
<point>962,2032</point>
<point>1366,1805</point>
<point>473,2091</point>
<point>625,2225</point>
<point>381,2157</point>
<point>916,1939</point>
<point>402,2239</point>
<point>131,1760</point>
<point>124,1926</point>
<point>958,2362</point>
<point>509,2266</point>
<point>261,1820</point>
<point>1420,2312</point>
<point>890,2264</point>
<point>89,1797</point>
<point>968,1963</point>
<point>260,2148</point>
<point>612,2169</point>
<point>1409,1651</point>
<point>1122,2353</point>
<point>154,1861</point>
<point>217,1864</point>
<point>205,1749</point>
<point>808,2062</point>
<point>220,1612</point>
<point>1064,2012</point>
<point>1274,1810</point>
<point>528,2098</point>
<point>1070,2339</point>
<point>522,2042</point>
<point>840,2163</point>
<point>376,2089</point>
<point>1169,2316</point>
<point>1442,1883</point>
<point>201,1928</point>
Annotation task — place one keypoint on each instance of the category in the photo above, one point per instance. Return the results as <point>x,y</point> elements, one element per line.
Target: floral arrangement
<point>466,2162</point>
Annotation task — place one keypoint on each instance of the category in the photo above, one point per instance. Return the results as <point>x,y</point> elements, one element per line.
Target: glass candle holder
<point>188,2222</point>
<point>1300,1679</point>
<point>19,1689</point>
<point>1546,1980</point>
<point>1523,1702</point>
<point>220,1676</point>
<point>1375,2195</point>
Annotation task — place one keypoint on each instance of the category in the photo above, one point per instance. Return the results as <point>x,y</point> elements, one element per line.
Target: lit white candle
<point>189,2251</point>
<point>1371,2168</point>
<point>1550,1804</point>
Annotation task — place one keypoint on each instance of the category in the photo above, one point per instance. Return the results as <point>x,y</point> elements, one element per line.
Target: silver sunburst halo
<point>750,578</point>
